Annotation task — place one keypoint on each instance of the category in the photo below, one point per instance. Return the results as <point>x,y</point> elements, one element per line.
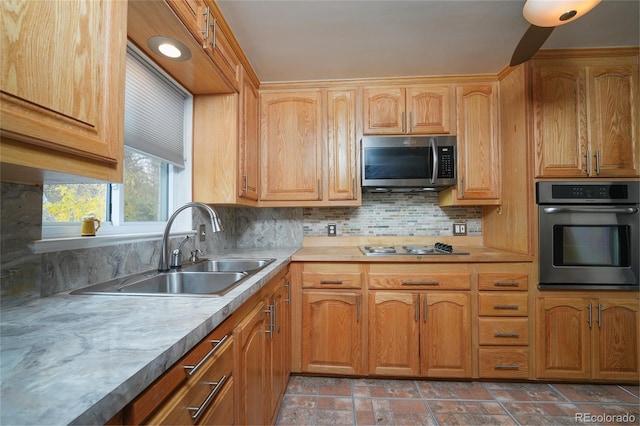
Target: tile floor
<point>344,401</point>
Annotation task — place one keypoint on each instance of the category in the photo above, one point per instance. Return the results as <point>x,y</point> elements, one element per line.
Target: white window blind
<point>153,112</point>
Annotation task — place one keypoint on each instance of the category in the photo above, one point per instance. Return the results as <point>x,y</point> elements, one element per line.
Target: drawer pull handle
<point>218,344</point>
<point>330,281</point>
<point>214,392</point>
<point>511,334</point>
<point>409,282</point>
<point>507,367</point>
<point>506,283</point>
<point>507,307</point>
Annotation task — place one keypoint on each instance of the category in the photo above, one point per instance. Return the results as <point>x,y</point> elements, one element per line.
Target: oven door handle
<point>621,210</point>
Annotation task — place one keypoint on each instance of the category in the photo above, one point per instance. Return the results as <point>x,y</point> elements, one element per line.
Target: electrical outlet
<point>202,233</point>
<point>332,230</point>
<point>459,229</point>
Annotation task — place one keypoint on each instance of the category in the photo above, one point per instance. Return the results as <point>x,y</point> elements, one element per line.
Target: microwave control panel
<point>446,162</point>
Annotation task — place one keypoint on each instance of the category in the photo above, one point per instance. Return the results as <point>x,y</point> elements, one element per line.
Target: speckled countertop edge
<point>68,359</point>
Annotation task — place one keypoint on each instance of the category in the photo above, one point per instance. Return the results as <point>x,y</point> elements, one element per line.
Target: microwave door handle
<point>434,149</point>
<point>621,210</point>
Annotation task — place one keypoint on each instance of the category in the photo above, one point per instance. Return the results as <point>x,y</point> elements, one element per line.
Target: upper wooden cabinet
<point>426,109</point>
<point>308,148</point>
<point>225,146</point>
<point>56,117</point>
<point>585,117</point>
<point>478,147</point>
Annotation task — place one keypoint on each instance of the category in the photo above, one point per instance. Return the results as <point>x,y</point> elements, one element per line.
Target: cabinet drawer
<point>503,281</point>
<point>503,331</point>
<point>150,399</point>
<point>450,281</point>
<point>329,275</point>
<point>221,412</point>
<point>202,390</point>
<point>502,304</point>
<point>504,362</point>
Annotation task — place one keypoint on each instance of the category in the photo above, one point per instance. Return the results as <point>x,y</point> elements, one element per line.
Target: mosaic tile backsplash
<point>25,275</point>
<point>393,214</point>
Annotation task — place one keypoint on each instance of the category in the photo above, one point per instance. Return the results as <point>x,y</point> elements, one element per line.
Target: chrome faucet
<point>163,265</point>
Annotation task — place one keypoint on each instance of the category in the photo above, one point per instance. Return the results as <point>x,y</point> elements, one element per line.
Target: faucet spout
<point>165,254</point>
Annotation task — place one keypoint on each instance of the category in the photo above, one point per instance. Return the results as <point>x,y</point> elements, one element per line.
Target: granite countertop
<point>81,359</point>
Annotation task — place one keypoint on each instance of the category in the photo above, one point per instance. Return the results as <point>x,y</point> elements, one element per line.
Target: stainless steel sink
<point>204,278</point>
<point>227,265</point>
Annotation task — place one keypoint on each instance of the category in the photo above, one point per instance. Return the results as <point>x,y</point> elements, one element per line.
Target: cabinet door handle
<point>462,187</point>
<point>207,19</point>
<point>410,122</point>
<point>427,282</point>
<point>507,367</point>
<point>507,334</point>
<point>506,284</point>
<point>215,27</point>
<point>288,287</point>
<point>590,319</point>
<point>404,124</point>
<point>506,307</point>
<point>599,315</point>
<point>217,387</point>
<point>358,309</point>
<point>246,184</point>
<point>331,281</point>
<point>588,157</point>
<point>598,162</point>
<point>416,309</point>
<point>269,311</point>
<point>194,368</point>
<point>424,309</point>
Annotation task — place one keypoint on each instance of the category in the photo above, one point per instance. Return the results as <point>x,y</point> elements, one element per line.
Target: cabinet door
<point>341,145</point>
<point>445,335</point>
<point>429,109</point>
<point>332,332</point>
<point>384,111</point>
<point>563,338</point>
<point>250,367</point>
<point>394,333</point>
<point>613,112</point>
<point>559,121</point>
<point>616,339</point>
<point>248,140</point>
<point>75,110</point>
<point>277,342</point>
<point>291,146</point>
<point>478,147</point>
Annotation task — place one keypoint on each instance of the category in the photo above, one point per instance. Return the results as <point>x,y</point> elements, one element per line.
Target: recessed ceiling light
<point>547,13</point>
<point>169,48</point>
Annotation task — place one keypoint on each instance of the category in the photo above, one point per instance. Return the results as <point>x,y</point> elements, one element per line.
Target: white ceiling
<point>297,40</point>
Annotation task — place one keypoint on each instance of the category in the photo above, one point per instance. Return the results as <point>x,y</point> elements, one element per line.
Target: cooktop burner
<point>437,249</point>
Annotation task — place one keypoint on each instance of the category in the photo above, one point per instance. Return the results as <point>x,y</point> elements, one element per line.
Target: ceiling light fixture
<point>551,13</point>
<point>169,48</point>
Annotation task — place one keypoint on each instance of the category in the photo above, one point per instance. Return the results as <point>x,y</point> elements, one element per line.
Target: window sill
<point>75,243</point>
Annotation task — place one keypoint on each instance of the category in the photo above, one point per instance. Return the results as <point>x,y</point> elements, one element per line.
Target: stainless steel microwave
<point>396,163</point>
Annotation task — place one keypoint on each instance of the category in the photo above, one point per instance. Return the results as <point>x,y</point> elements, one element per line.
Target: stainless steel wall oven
<point>588,235</point>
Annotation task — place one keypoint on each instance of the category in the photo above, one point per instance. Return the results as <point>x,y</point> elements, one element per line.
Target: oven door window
<point>581,245</point>
<point>397,163</point>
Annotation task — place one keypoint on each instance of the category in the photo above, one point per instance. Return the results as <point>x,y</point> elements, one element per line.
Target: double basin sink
<point>205,277</point>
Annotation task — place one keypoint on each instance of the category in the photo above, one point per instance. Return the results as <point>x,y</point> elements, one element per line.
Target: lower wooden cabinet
<point>332,332</point>
<point>587,337</point>
<point>200,386</point>
<point>236,375</point>
<point>420,334</point>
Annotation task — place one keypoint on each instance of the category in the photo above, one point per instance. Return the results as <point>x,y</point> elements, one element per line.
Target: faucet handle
<point>194,255</point>
<point>175,255</point>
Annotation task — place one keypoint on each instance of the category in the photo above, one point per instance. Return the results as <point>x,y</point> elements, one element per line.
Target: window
<point>157,172</point>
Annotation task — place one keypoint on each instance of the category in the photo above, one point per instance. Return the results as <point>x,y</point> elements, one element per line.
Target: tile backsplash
<point>25,275</point>
<point>393,214</point>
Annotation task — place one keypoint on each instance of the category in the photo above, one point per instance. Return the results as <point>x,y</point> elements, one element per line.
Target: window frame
<point>180,192</point>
